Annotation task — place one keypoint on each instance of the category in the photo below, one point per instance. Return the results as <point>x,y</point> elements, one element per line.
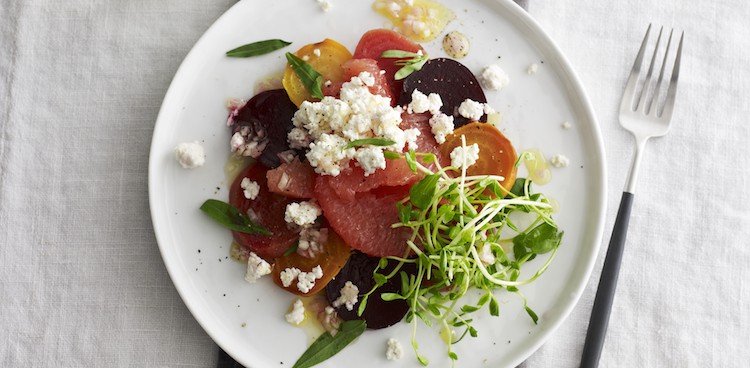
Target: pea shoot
<point>468,232</point>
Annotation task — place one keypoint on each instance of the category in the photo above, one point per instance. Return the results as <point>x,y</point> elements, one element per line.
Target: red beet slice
<point>451,80</point>
<point>269,117</point>
<point>378,313</point>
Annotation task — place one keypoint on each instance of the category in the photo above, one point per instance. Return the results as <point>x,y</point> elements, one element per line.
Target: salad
<point>378,185</point>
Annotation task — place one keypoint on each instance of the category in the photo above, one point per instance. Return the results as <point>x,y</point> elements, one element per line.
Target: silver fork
<point>646,112</point>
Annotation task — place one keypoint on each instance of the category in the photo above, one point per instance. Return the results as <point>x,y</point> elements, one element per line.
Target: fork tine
<point>641,103</point>
<point>666,115</point>
<point>628,96</point>
<point>654,102</point>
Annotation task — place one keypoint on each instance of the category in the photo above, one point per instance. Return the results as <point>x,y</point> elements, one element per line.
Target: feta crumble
<point>532,69</point>
<point>331,123</point>
<point>297,315</point>
<point>306,280</point>
<point>471,109</point>
<point>250,188</point>
<point>463,158</point>
<point>302,213</point>
<point>256,268</point>
<point>441,125</point>
<point>316,52</point>
<point>493,77</point>
<point>559,161</point>
<point>190,155</point>
<point>370,159</point>
<point>566,125</point>
<point>288,276</point>
<point>325,5</point>
<point>394,350</point>
<point>486,255</point>
<point>422,103</point>
<point>348,296</point>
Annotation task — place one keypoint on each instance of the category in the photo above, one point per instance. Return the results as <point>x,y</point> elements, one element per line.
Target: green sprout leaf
<point>231,218</point>
<point>422,192</point>
<point>410,62</point>
<point>311,79</point>
<point>258,48</point>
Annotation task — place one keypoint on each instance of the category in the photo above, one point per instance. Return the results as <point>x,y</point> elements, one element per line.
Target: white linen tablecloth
<point>81,279</point>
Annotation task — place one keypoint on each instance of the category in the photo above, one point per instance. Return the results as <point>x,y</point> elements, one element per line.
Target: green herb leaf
<point>539,240</point>
<point>399,54</point>
<point>258,48</point>
<point>311,79</point>
<point>532,314</point>
<point>379,142</point>
<point>390,155</point>
<point>327,346</point>
<point>422,192</point>
<point>231,218</point>
<point>411,62</point>
<point>494,307</point>
<point>292,249</point>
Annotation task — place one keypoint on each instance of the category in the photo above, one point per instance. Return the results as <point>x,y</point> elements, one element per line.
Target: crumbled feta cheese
<point>190,155</point>
<point>559,161</point>
<point>297,315</point>
<point>306,57</point>
<point>250,188</point>
<point>488,109</point>
<point>463,158</point>
<point>532,69</point>
<point>302,213</point>
<point>493,77</point>
<point>566,125</point>
<point>421,103</point>
<point>471,109</point>
<point>409,2</point>
<point>348,296</point>
<point>394,350</point>
<point>306,280</point>
<point>358,114</point>
<point>256,268</point>
<point>325,5</point>
<point>486,255</point>
<point>316,52</point>
<point>327,154</point>
<point>441,125</point>
<point>288,276</point>
<point>370,159</point>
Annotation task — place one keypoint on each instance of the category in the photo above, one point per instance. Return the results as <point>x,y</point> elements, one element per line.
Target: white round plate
<point>247,321</point>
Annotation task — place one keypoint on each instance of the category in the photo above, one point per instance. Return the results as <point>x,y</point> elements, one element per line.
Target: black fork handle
<point>597,331</point>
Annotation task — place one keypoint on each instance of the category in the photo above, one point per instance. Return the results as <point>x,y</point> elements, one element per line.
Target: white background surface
<point>81,279</point>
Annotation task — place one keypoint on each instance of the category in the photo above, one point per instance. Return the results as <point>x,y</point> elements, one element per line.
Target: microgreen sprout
<point>468,232</point>
<point>409,61</point>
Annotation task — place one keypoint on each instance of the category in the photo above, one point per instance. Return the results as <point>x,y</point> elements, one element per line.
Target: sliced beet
<point>269,117</point>
<point>378,313</point>
<point>448,78</point>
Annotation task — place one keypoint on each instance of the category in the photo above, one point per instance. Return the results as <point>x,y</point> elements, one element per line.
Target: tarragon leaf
<point>258,48</point>
<point>311,79</point>
<point>231,218</point>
